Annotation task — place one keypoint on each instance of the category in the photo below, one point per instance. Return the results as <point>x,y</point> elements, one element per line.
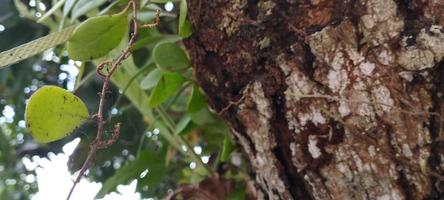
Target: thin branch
<point>156,23</point>
<point>99,142</point>
<point>234,103</point>
<point>231,104</point>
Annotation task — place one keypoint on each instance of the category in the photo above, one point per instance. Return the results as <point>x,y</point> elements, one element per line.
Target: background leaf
<point>198,109</point>
<point>84,6</point>
<point>165,88</point>
<point>150,160</point>
<point>170,56</point>
<point>151,79</point>
<point>184,126</point>
<point>68,6</point>
<point>185,27</point>
<point>228,147</point>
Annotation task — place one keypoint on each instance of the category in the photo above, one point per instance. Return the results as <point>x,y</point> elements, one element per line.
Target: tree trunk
<point>329,99</point>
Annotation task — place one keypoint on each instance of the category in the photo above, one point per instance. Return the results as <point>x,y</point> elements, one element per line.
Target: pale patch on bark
<point>383,100</point>
<point>386,57</point>
<point>313,115</point>
<point>299,83</point>
<point>381,23</point>
<point>363,94</point>
<point>406,75</point>
<point>367,68</point>
<point>343,109</point>
<point>371,176</point>
<point>256,114</point>
<point>428,51</point>
<point>312,146</point>
<point>297,156</point>
<point>416,59</point>
<point>230,24</point>
<point>318,190</point>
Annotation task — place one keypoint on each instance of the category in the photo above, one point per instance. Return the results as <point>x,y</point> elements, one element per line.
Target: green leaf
<point>185,27</point>
<point>165,133</point>
<point>53,113</point>
<point>150,160</point>
<point>68,6</point>
<point>239,193</point>
<point>184,126</point>
<point>169,56</point>
<point>183,12</point>
<point>8,154</point>
<point>227,149</point>
<point>151,6</point>
<point>151,79</point>
<point>169,84</point>
<point>214,135</point>
<point>202,117</point>
<point>146,41</point>
<point>151,40</point>
<point>112,5</point>
<point>157,173</point>
<point>197,100</point>
<point>198,108</point>
<point>84,6</point>
<point>97,36</point>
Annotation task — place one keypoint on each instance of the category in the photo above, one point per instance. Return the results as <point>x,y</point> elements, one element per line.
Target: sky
<point>55,181</point>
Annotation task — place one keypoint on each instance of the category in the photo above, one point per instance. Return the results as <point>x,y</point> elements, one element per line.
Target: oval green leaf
<point>97,36</point>
<point>184,126</point>
<point>169,56</point>
<point>169,84</point>
<point>228,147</point>
<point>52,113</point>
<point>151,79</point>
<point>68,6</point>
<point>185,27</point>
<point>198,108</point>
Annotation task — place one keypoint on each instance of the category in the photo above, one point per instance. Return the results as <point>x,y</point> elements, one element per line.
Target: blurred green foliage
<point>163,112</point>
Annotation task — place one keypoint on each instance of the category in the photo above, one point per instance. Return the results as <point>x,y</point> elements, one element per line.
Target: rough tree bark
<point>329,99</point>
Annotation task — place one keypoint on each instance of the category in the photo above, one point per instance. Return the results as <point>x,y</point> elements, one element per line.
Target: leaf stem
<point>170,124</point>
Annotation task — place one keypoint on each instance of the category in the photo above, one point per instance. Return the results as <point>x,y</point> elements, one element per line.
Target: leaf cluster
<point>166,123</point>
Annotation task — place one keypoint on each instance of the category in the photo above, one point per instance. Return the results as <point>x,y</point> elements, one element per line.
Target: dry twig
<point>110,66</point>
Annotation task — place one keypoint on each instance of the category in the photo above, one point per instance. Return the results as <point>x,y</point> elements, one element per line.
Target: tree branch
<point>99,142</point>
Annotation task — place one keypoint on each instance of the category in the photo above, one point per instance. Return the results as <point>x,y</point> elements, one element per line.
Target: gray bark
<point>329,99</point>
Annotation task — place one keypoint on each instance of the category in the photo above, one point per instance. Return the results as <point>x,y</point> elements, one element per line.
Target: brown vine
<point>110,67</point>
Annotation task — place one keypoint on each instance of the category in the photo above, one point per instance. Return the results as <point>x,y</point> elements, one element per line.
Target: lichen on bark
<point>335,99</point>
